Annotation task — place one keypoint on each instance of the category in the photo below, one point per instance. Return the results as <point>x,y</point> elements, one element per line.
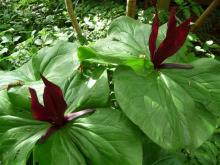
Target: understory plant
<point>132,98</point>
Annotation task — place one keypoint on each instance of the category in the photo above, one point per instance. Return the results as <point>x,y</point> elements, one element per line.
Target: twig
<point>163,4</point>
<point>205,15</point>
<point>131,8</point>
<point>71,12</point>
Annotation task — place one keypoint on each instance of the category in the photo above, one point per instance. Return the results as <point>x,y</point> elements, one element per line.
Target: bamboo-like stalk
<point>205,15</point>
<point>72,15</point>
<point>163,4</point>
<point>131,8</point>
<point>146,4</point>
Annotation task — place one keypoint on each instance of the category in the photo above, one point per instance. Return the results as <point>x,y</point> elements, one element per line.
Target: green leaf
<point>179,2</point>
<point>5,104</point>
<point>202,83</point>
<point>55,63</point>
<point>18,97</point>
<point>4,50</point>
<point>172,159</point>
<point>152,152</point>
<point>105,136</point>
<point>6,39</point>
<point>38,42</point>
<point>122,49</point>
<point>7,108</point>
<point>81,92</point>
<point>19,138</point>
<point>162,109</point>
<point>206,154</point>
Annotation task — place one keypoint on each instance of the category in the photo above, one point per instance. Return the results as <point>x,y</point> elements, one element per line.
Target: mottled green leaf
<point>103,137</point>
<point>163,109</point>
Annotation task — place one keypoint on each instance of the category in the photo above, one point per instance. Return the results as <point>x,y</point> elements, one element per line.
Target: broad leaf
<point>5,104</point>
<point>57,61</point>
<point>19,138</point>
<point>8,108</point>
<point>79,92</point>
<point>105,136</point>
<point>172,159</point>
<point>54,62</point>
<point>18,96</point>
<point>163,109</point>
<point>82,92</point>
<point>202,83</point>
<point>206,154</point>
<point>152,152</point>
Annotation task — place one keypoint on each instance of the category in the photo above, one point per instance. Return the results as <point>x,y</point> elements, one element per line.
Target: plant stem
<point>71,12</point>
<point>163,4</point>
<point>131,8</point>
<point>205,15</point>
<point>146,4</point>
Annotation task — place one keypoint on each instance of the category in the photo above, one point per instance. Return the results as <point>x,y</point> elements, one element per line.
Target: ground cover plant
<point>27,26</point>
<point>135,97</point>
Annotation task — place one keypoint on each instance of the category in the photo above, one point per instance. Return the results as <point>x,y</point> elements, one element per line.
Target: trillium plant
<point>136,97</point>
<point>174,40</point>
<point>54,109</point>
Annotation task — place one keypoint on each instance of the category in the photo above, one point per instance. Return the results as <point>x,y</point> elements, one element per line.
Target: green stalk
<point>163,4</point>
<point>200,21</point>
<point>131,8</point>
<point>75,24</point>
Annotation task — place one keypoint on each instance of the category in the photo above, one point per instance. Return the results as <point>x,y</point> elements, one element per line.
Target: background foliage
<point>28,25</point>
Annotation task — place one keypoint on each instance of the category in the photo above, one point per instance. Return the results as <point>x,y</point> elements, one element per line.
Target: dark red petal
<point>54,101</point>
<point>52,86</point>
<point>167,45</point>
<point>153,36</point>
<point>38,111</point>
<point>171,26</point>
<point>174,40</point>
<point>182,32</point>
<point>165,50</point>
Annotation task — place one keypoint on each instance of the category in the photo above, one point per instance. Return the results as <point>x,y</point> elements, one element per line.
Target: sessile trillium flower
<point>174,40</point>
<point>54,108</point>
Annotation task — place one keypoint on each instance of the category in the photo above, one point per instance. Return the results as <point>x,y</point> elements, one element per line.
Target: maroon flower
<point>54,108</point>
<point>175,38</point>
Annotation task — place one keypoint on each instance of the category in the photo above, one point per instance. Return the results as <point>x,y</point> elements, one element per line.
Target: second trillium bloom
<point>174,40</point>
<point>54,104</point>
<point>54,108</point>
